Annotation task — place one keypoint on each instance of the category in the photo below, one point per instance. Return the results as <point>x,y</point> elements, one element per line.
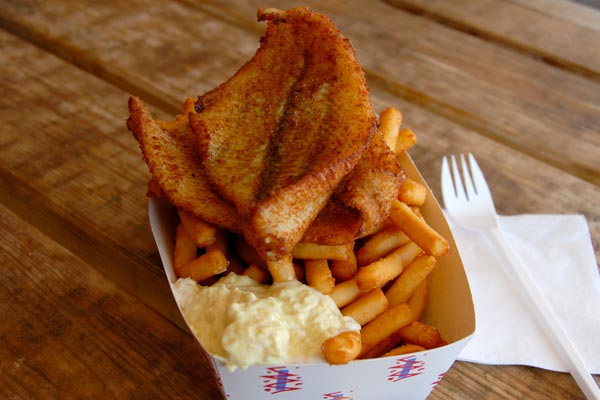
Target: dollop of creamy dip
<point>243,322</point>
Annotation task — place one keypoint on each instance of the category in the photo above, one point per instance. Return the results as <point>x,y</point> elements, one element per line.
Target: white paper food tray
<point>411,376</point>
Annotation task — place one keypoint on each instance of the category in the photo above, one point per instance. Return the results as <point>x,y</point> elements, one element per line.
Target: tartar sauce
<point>244,323</point>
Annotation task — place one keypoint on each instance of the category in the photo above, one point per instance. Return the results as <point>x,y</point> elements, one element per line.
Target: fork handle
<point>545,317</point>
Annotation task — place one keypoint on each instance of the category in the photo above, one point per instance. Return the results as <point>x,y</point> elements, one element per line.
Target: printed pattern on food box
<point>337,396</point>
<point>280,379</point>
<point>405,367</point>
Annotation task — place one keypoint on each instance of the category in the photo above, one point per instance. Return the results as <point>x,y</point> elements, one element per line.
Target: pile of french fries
<point>382,281</point>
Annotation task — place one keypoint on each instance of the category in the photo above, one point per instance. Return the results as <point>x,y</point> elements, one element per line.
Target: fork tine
<point>458,186</point>
<point>481,185</point>
<point>467,178</point>
<point>448,191</point>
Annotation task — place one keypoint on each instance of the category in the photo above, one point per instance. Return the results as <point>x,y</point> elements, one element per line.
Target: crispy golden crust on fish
<point>278,137</point>
<point>336,224</point>
<point>363,200</point>
<point>373,184</point>
<point>170,151</point>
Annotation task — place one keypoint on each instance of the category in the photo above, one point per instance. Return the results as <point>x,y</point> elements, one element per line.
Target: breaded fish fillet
<point>278,137</point>
<point>363,200</point>
<point>170,150</point>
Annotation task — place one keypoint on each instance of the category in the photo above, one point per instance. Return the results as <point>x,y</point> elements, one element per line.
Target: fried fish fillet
<point>363,200</point>
<point>278,137</point>
<point>170,151</point>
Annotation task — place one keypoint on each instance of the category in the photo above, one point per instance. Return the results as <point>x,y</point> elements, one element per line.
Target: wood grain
<point>81,270</point>
<point>542,29</point>
<point>68,332</point>
<point>537,109</point>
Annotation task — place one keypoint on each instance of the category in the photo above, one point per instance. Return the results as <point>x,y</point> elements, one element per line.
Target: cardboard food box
<point>410,376</point>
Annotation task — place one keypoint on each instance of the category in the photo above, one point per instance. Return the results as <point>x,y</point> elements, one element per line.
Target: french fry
<point>203,233</point>
<point>344,270</point>
<point>389,124</point>
<point>282,270</point>
<point>381,244</point>
<point>404,349</point>
<point>185,250</point>
<point>418,300</point>
<point>367,307</point>
<point>382,347</point>
<point>380,272</point>
<point>318,275</point>
<point>417,211</point>
<point>390,321</point>
<point>312,251</point>
<point>418,230</point>
<point>406,139</point>
<point>345,292</point>
<point>343,348</point>
<point>205,266</point>
<point>299,270</point>
<point>412,276</point>
<point>412,192</point>
<point>427,336</point>
<point>257,273</point>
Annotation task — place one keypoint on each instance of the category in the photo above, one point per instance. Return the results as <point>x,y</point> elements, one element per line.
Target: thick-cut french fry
<point>312,251</point>
<point>380,272</point>
<point>381,244</point>
<point>367,307</point>
<point>318,275</point>
<point>383,347</point>
<point>389,124</point>
<point>417,211</point>
<point>299,270</point>
<point>203,233</point>
<point>282,270</point>
<point>421,334</point>
<point>346,292</point>
<point>205,266</point>
<point>185,250</point>
<point>412,193</point>
<point>404,349</point>
<point>344,270</point>
<point>406,139</point>
<point>343,348</point>
<point>257,273</point>
<point>390,321</point>
<point>418,300</point>
<point>412,276</point>
<point>418,230</point>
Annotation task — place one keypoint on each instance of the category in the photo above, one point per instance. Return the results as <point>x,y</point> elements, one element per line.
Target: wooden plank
<point>58,87</point>
<point>542,28</point>
<point>73,170</point>
<point>539,110</point>
<point>53,346</point>
<point>135,50</point>
<point>442,136</point>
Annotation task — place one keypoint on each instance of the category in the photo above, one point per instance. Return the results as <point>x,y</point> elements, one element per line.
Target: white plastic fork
<point>471,206</point>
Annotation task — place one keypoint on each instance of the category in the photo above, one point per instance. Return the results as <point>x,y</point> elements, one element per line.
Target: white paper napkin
<point>559,255</point>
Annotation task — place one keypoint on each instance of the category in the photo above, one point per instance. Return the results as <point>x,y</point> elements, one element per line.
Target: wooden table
<point>85,308</point>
